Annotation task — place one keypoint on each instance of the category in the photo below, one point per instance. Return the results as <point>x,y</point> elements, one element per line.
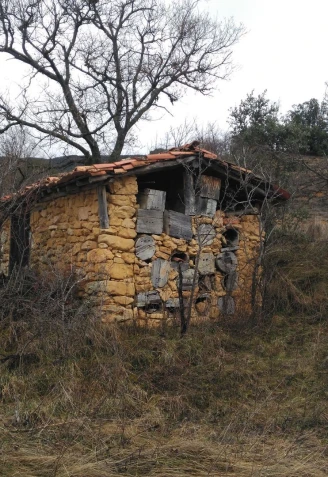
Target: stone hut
<point>145,234</point>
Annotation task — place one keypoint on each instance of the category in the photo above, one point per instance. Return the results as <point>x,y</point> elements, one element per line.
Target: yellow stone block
<point>114,220</point>
<point>124,212</point>
<point>99,255</point>
<point>124,185</point>
<point>88,245</point>
<point>126,233</point>
<point>120,271</point>
<point>128,257</point>
<point>117,243</point>
<point>118,260</point>
<point>121,200</point>
<point>129,223</point>
<point>165,256</point>
<point>123,300</point>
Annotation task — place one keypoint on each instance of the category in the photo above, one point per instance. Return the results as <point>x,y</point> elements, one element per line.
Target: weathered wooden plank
<point>145,299</point>
<point>160,272</point>
<point>230,249</point>
<point>172,303</point>
<point>189,192</point>
<point>187,279</point>
<point>241,212</point>
<point>102,207</point>
<point>210,187</point>
<point>226,262</point>
<point>206,264</point>
<point>149,221</point>
<point>177,225</point>
<point>206,234</point>
<point>226,305</point>
<point>230,282</point>
<point>183,265</point>
<point>152,199</point>
<point>206,206</point>
<point>145,247</point>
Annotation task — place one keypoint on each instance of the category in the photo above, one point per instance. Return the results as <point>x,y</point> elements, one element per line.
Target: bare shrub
<point>42,315</point>
<point>296,275</point>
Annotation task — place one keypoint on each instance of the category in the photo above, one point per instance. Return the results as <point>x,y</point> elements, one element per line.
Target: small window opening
<point>153,307</point>
<point>231,237</point>
<point>171,184</point>
<point>180,259</point>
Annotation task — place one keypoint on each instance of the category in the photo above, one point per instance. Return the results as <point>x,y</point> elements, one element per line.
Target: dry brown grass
<point>231,398</point>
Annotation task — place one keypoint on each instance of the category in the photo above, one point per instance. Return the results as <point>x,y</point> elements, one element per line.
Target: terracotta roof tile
<point>122,167</point>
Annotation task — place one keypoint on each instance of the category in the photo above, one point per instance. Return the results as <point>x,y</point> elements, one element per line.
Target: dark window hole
<point>232,237</point>
<point>180,259</point>
<point>153,307</point>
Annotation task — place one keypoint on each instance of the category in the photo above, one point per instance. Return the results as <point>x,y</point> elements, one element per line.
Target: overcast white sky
<point>284,51</point>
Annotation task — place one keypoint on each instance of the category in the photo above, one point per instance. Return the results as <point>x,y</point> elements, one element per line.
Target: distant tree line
<point>256,122</point>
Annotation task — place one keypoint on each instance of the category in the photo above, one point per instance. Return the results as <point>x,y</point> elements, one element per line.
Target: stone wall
<point>111,267</point>
<point>64,231</point>
<point>211,288</point>
<point>4,247</point>
<point>66,234</point>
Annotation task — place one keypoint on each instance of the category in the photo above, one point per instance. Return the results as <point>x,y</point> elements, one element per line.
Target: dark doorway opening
<point>19,241</point>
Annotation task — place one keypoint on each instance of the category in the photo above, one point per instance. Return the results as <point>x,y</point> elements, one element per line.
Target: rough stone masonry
<point>147,257</point>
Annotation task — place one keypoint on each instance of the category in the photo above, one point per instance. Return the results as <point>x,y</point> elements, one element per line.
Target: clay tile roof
<point>128,165</point>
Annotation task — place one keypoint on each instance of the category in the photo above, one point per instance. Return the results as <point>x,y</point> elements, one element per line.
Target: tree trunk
<point>94,157</point>
<point>116,152</point>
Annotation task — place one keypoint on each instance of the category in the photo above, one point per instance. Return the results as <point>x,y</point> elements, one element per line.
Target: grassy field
<point>232,399</point>
<point>239,397</point>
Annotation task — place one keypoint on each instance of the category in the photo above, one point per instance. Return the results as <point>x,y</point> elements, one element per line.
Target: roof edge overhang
<point>86,177</point>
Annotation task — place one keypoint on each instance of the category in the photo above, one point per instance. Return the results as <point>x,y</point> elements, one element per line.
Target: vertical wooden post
<point>102,207</point>
<point>189,192</point>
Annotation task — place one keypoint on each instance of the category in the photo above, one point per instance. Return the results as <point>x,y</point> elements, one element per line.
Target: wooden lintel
<point>82,182</point>
<point>94,179</point>
<point>72,188</point>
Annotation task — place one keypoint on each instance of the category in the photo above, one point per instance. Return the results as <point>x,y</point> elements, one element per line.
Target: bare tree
<point>97,67</point>
<point>16,166</point>
<point>210,136</point>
